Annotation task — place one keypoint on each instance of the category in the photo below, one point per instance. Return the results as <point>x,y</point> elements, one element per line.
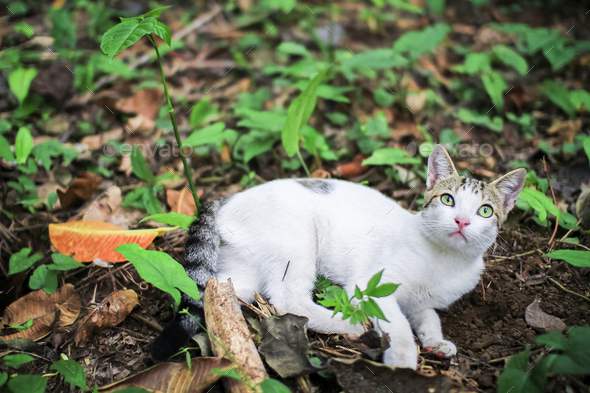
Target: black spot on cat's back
<point>316,185</point>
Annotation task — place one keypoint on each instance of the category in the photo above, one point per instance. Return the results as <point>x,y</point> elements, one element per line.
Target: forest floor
<point>241,65</point>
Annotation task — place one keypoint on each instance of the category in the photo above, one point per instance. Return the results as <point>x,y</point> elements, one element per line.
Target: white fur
<point>348,234</point>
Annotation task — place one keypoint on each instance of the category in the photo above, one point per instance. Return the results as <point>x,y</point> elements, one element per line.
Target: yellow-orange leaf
<point>88,240</point>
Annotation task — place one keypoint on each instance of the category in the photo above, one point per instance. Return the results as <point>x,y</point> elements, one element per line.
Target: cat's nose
<point>462,222</point>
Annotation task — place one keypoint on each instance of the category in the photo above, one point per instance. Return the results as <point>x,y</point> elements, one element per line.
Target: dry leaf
<point>140,124</point>
<point>103,209</point>
<point>321,174</point>
<point>145,102</point>
<point>540,320</point>
<point>59,309</point>
<point>88,240</point>
<point>352,169</point>
<point>110,312</point>
<point>175,377</point>
<point>97,141</point>
<point>79,190</point>
<point>182,201</point>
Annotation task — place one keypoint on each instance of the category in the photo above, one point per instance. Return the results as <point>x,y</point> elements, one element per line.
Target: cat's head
<point>461,212</point>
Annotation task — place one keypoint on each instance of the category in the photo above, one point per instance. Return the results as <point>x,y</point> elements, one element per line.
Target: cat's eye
<point>485,211</point>
<point>447,200</point>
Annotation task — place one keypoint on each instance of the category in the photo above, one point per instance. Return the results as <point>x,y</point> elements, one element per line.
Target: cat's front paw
<point>397,357</point>
<point>444,348</point>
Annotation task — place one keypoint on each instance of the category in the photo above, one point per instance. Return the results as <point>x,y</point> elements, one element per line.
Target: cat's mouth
<point>458,234</point>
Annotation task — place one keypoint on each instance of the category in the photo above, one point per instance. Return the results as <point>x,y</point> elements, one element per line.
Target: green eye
<point>447,200</point>
<point>485,211</point>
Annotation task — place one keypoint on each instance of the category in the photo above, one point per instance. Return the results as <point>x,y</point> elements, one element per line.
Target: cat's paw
<point>444,348</point>
<point>396,357</point>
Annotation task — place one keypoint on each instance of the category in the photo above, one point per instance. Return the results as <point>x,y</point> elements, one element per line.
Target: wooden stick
<point>554,200</point>
<point>229,332</point>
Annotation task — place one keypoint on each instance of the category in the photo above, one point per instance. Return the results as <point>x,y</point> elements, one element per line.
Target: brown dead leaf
<point>540,320</point>
<point>321,174</point>
<point>110,312</point>
<point>97,141</point>
<point>175,377</point>
<point>54,82</point>
<point>352,169</point>
<point>145,102</point>
<point>182,201</point>
<point>140,124</point>
<point>47,311</point>
<point>403,128</point>
<point>79,190</point>
<point>102,210</point>
<point>565,129</point>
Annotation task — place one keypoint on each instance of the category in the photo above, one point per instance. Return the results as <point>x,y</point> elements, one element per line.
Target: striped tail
<point>201,256</point>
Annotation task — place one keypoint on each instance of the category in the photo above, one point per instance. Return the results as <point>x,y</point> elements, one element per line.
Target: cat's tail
<point>201,256</point>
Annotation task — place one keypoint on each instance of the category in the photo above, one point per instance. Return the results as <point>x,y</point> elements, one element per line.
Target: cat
<point>348,232</point>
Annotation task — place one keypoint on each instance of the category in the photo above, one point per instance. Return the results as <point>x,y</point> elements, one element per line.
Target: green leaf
<point>293,49</point>
<point>231,373</point>
<point>155,13</point>
<point>371,309</point>
<point>160,270</point>
<point>390,156</point>
<point>72,372</point>
<point>384,290</point>
<point>540,202</point>
<point>358,293</point>
<point>140,167</point>
<point>418,42</point>
<point>163,31</point>
<point>19,82</point>
<point>45,279</point>
<point>23,145</point>
<point>270,385</point>
<point>559,95</point>
<point>263,120</point>
<point>476,62</point>
<point>519,378</point>
<point>3,378</point>
<point>200,113</point>
<point>372,284</point>
<point>574,257</point>
<point>63,28</point>
<point>299,113</point>
<point>64,262</point>
<point>575,350</point>
<point>24,326</point>
<point>20,261</point>
<point>27,383</point>
<point>5,151</point>
<point>587,147</point>
<point>208,135</point>
<point>125,34</point>
<point>375,59</point>
<point>15,361</point>
<point>176,219</point>
<point>495,87</point>
<point>46,150</point>
<point>472,117</point>
<point>580,99</point>
<point>511,58</point>
<point>559,54</point>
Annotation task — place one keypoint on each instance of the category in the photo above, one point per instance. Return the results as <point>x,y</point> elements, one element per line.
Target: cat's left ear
<point>509,186</point>
<point>440,166</point>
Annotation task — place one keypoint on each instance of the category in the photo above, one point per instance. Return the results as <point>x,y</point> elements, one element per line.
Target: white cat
<point>348,232</point>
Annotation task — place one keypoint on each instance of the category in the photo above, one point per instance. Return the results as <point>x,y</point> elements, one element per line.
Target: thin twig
<point>570,231</point>
<point>554,200</point>
<point>567,290</point>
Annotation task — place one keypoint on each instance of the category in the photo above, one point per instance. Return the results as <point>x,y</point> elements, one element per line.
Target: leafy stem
<point>187,169</point>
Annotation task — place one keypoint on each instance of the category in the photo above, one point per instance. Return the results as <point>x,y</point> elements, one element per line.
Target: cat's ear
<point>440,166</point>
<point>509,186</point>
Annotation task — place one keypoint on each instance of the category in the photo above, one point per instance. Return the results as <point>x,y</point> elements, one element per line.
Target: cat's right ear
<point>440,166</point>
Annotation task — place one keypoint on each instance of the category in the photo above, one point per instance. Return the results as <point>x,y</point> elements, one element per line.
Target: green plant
<point>565,355</point>
<point>333,296</point>
<point>573,257</point>
<point>125,34</point>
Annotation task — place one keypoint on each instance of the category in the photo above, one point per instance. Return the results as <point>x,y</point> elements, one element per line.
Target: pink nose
<point>461,222</point>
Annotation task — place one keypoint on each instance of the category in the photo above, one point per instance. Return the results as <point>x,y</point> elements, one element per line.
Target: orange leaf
<point>182,201</point>
<point>88,240</point>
